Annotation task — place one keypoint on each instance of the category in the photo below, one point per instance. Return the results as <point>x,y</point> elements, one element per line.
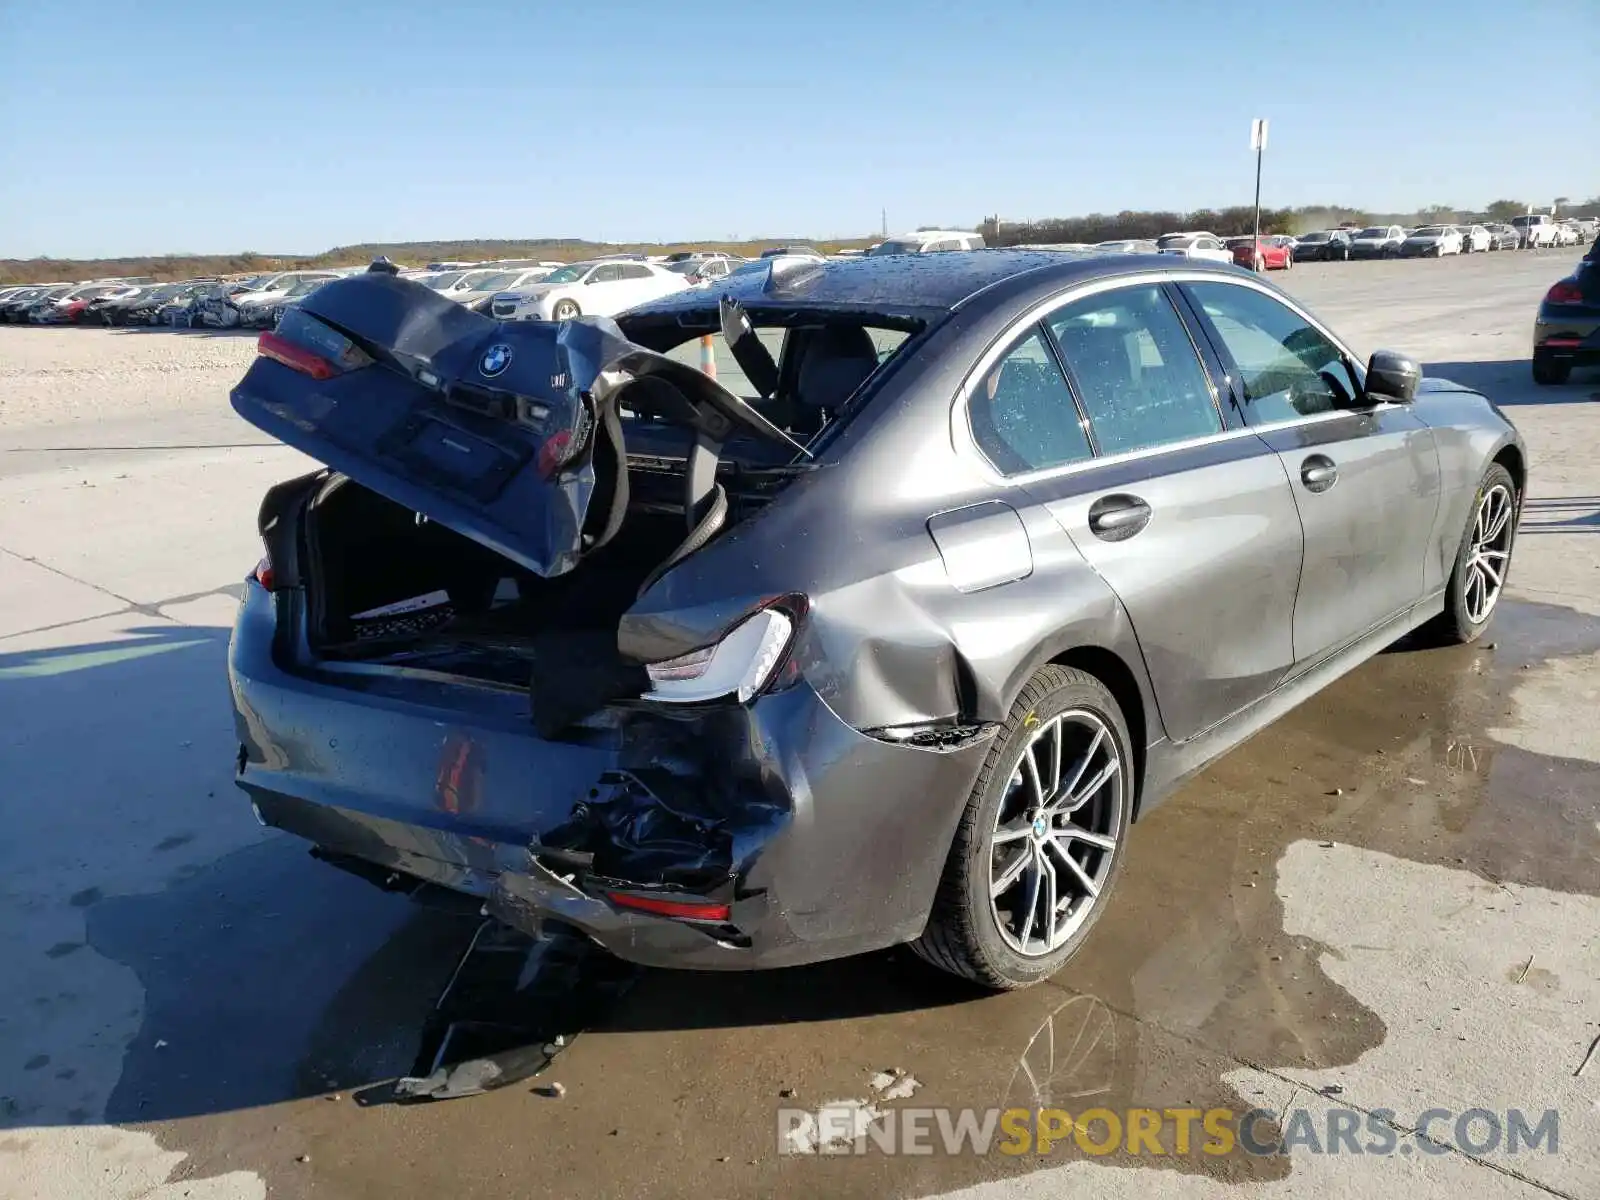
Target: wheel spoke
<point>1496,554</point>
<point>1030,776</point>
<point>1033,900</point>
<point>1100,841</point>
<point>1072,801</point>
<point>1083,764</point>
<point>1058,738</point>
<point>1090,887</point>
<point>1501,514</point>
<point>1011,832</point>
<point>1483,565</point>
<point>1013,871</point>
<point>1051,899</point>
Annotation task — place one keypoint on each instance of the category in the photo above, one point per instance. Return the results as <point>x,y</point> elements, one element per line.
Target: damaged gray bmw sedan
<point>979,557</point>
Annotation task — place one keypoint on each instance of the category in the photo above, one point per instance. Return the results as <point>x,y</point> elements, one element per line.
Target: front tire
<point>565,310</point>
<point>1483,559</point>
<point>1039,846</point>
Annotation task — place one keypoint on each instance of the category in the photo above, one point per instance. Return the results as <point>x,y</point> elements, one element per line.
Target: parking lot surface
<point>1388,901</point>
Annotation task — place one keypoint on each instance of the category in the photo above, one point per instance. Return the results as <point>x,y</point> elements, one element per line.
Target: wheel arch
<point>1119,679</point>
<point>1510,457</point>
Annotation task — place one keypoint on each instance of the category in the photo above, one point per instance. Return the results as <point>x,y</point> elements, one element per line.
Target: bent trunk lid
<point>503,432</point>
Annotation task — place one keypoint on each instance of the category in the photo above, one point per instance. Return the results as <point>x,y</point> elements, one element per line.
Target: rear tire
<point>565,310</point>
<point>1024,825</point>
<point>1549,373</point>
<point>1474,591</point>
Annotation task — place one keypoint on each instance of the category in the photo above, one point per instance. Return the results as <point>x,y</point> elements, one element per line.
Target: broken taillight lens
<point>741,665</point>
<point>305,344</point>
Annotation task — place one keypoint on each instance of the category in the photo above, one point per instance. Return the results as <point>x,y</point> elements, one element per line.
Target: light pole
<point>1258,143</point>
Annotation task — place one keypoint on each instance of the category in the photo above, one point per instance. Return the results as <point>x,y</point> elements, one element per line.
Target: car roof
<point>914,284</point>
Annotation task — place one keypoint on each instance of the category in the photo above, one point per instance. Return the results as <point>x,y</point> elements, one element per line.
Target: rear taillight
<point>263,573</point>
<point>740,666</point>
<point>1565,292</point>
<point>305,344</point>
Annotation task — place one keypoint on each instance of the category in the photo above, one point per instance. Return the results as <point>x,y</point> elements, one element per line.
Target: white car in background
<point>1437,240</point>
<point>1475,239</point>
<point>1127,246</point>
<point>697,270</point>
<point>929,241</point>
<point>1568,234</point>
<point>477,289</point>
<point>1537,229</point>
<point>1203,245</point>
<point>1377,241</point>
<point>600,287</point>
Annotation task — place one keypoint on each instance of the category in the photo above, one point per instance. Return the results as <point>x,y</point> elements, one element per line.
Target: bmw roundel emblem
<point>495,360</point>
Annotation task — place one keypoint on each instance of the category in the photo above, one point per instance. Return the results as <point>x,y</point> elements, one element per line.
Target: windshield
<point>1373,232</point>
<point>498,281</point>
<point>1429,231</point>
<point>899,246</point>
<point>1319,236</point>
<point>440,282</point>
<point>1174,239</point>
<point>567,274</point>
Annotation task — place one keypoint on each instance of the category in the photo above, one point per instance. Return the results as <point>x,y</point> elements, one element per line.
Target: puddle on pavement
<point>675,1089</point>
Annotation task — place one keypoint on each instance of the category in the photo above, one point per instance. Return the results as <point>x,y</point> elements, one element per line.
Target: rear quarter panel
<point>890,640</point>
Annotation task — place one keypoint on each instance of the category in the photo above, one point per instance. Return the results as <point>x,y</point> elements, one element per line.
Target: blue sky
<point>289,126</point>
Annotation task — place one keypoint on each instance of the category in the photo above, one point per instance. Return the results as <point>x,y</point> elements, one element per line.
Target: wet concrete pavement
<point>1349,901</point>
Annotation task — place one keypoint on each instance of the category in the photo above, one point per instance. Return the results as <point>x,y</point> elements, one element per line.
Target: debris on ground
<point>894,1084</point>
<point>1526,967</point>
<point>1593,1046</point>
<point>552,1091</point>
<point>512,1004</point>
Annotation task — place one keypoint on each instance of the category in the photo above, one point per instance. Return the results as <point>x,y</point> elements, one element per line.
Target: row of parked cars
<point>528,289</point>
<point>1435,241</point>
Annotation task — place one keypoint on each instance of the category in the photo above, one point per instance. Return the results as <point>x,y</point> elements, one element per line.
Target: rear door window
<point>1022,414</point>
<point>1135,369</point>
<point>1287,366</point>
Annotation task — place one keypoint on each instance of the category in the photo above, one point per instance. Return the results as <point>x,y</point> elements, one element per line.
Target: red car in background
<point>1260,254</point>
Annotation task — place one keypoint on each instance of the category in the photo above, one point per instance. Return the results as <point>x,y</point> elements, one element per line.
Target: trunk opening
<point>388,587</point>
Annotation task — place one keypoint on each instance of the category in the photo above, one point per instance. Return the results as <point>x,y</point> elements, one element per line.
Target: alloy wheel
<point>1055,834</point>
<point>1489,554</point>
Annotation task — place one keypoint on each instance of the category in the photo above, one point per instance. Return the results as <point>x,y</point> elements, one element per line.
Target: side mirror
<point>1392,377</point>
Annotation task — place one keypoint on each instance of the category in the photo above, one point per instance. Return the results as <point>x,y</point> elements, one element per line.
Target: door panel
<point>1208,574</point>
<point>1365,480</point>
<point>1193,528</point>
<point>1367,532</point>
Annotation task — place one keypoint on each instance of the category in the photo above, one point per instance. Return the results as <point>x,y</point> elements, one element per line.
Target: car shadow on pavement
<point>1560,514</point>
<point>166,956</point>
<point>1510,382</point>
<point>247,973</point>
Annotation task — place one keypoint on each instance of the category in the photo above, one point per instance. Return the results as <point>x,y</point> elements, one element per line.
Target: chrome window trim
<point>965,443</point>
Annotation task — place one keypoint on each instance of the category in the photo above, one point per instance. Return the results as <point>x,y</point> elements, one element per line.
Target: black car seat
<point>836,360</point>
